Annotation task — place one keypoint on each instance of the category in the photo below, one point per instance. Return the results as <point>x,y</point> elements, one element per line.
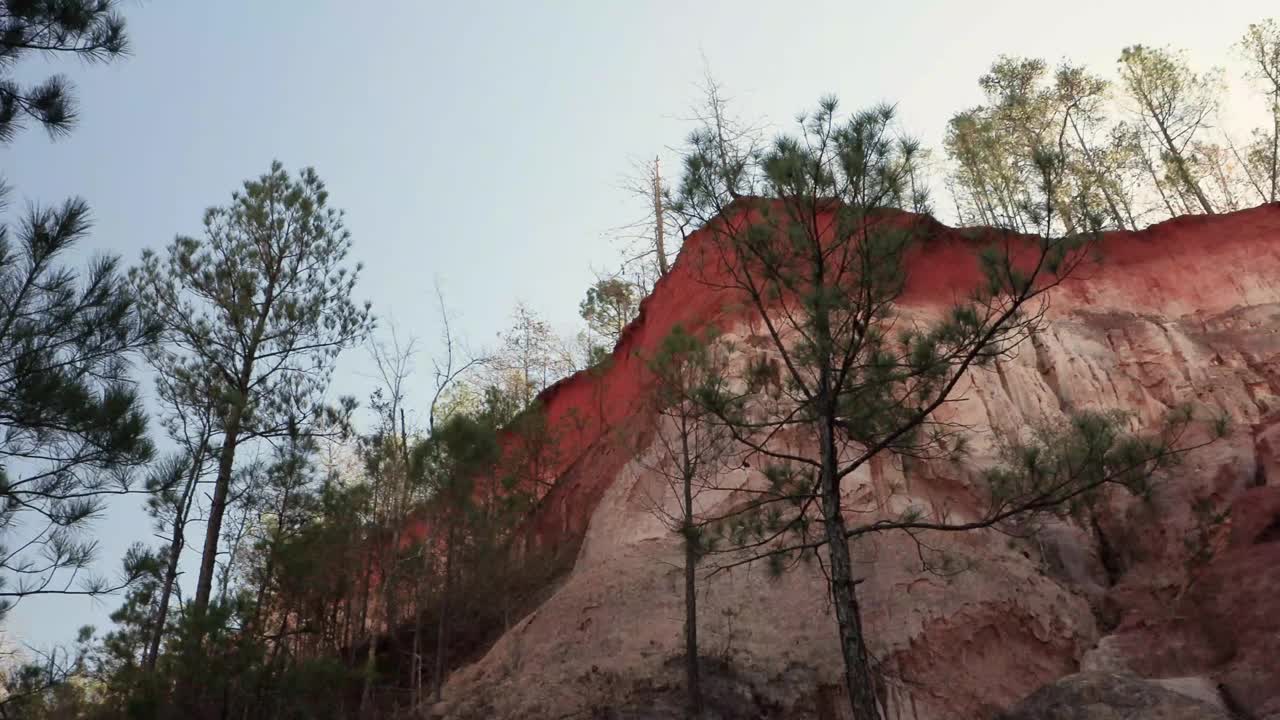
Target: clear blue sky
<point>483,143</point>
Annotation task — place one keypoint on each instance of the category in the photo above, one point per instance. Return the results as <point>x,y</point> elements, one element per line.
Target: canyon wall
<point>1179,585</point>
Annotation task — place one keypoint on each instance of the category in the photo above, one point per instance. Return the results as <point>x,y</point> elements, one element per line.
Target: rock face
<point>1227,617</point>
<point>1105,696</point>
<point>1182,584</point>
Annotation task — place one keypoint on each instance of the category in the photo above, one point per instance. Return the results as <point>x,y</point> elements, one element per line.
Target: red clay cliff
<point>1185,311</point>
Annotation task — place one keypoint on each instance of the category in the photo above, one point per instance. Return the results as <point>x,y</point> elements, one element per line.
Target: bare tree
<point>391,488</point>
<point>648,243</point>
<point>652,242</point>
<point>532,356</point>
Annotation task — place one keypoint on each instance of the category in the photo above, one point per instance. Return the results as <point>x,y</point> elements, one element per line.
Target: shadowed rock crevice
<point>1109,696</point>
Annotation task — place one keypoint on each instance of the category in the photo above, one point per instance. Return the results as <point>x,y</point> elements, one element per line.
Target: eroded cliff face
<point>1181,585</point>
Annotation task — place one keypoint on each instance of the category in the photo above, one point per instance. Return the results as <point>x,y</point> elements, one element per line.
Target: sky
<point>484,145</point>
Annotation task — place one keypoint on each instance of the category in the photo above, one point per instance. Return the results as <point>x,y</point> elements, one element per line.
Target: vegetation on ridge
<point>344,570</point>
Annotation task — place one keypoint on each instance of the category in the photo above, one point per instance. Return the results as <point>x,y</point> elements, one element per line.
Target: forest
<point>310,563</point>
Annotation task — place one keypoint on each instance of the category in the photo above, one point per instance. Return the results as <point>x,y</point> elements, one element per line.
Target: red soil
<point>1190,263</point>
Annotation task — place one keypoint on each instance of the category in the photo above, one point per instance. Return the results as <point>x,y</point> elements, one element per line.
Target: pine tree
<point>817,252</point>
<point>72,427</point>
<point>1174,103</point>
<point>693,449</point>
<point>461,450</point>
<point>1029,107</point>
<point>71,424</point>
<point>255,313</point>
<point>610,304</point>
<point>88,29</point>
<point>1261,47</point>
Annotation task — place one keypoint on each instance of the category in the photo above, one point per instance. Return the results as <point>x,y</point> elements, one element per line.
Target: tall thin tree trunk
<point>1126,203</point>
<point>217,509</point>
<point>1275,141</point>
<point>268,570</point>
<point>857,675</point>
<point>442,626</point>
<point>659,220</point>
<point>370,669</point>
<point>227,459</point>
<point>366,593</point>
<point>1184,173</point>
<point>187,687</point>
<point>1097,176</point>
<point>690,602</point>
<point>176,544</point>
<point>415,664</point>
<point>367,621</point>
<point>853,649</point>
<point>274,666</point>
<point>1155,180</point>
<point>348,633</point>
<point>1244,165</point>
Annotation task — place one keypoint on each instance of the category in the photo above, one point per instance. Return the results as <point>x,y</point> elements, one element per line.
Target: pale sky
<point>484,143</point>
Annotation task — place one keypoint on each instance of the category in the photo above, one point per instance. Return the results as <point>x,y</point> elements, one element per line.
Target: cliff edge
<point>1180,586</point>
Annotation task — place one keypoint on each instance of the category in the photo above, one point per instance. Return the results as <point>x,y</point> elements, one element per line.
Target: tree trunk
<point>1275,141</point>
<point>857,675</point>
<point>260,598</point>
<point>415,665</point>
<point>688,468</point>
<point>659,221</point>
<point>217,508</point>
<point>226,462</point>
<point>690,592</point>
<point>1155,180</point>
<point>1184,174</point>
<point>366,595</point>
<point>175,553</point>
<point>370,668</point>
<point>274,666</point>
<point>1097,176</point>
<point>853,649</point>
<point>443,627</point>
<point>376,559</point>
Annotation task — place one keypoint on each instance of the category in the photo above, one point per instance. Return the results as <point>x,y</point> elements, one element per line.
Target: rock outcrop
<point>1183,584</point>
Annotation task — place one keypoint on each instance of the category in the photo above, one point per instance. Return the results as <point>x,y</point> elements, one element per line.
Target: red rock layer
<point>1198,264</point>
